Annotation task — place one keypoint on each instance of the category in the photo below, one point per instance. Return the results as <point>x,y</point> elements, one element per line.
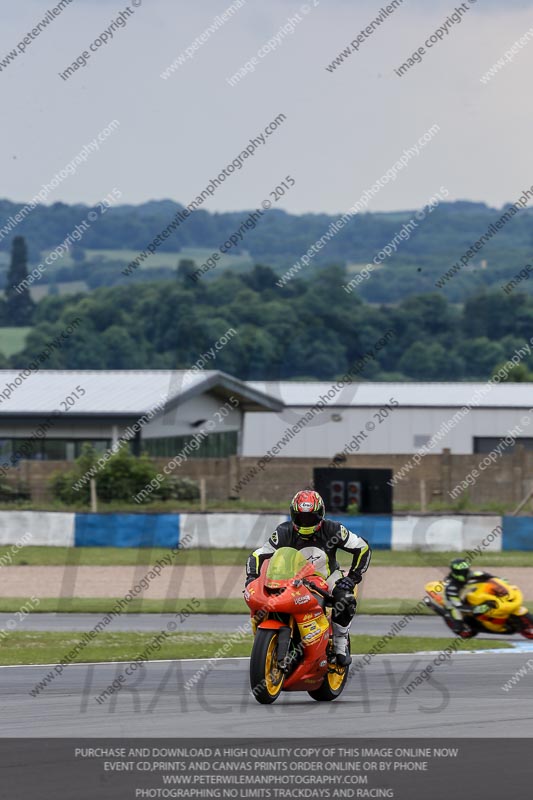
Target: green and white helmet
<point>460,569</point>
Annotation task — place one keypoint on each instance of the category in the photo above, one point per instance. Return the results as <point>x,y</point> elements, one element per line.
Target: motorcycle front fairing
<point>276,602</point>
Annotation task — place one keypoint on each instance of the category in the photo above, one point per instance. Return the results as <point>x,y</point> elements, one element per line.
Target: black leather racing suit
<point>453,602</point>
<point>320,549</point>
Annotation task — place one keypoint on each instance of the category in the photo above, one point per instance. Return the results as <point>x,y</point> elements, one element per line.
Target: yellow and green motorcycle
<point>503,610</point>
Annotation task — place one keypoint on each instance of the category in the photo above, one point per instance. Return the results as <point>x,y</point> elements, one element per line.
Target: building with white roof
<point>390,418</point>
<point>58,410</point>
<point>55,411</point>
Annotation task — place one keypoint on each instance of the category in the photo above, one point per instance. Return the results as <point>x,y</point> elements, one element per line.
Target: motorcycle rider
<point>319,539</point>
<point>461,575</point>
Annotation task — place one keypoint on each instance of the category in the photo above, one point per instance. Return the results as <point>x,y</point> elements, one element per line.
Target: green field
<point>197,254</point>
<point>32,647</point>
<point>158,259</point>
<point>116,556</point>
<point>40,290</point>
<point>12,340</point>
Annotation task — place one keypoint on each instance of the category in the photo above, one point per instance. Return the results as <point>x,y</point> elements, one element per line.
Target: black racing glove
<point>250,578</point>
<point>347,584</point>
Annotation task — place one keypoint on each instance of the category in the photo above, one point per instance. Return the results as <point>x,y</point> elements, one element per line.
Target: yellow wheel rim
<point>273,675</point>
<point>335,678</point>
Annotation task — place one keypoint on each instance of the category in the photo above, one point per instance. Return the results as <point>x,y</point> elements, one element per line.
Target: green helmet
<point>460,569</point>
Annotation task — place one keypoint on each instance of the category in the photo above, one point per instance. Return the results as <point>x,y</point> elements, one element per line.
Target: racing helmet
<point>459,569</point>
<point>307,512</point>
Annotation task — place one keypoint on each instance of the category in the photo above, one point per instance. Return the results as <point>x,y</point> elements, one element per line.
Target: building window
<point>214,445</point>
<point>14,450</point>
<point>485,444</point>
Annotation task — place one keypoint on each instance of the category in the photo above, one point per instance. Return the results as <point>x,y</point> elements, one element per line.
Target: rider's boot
<point>459,627</point>
<point>340,644</point>
<point>524,624</point>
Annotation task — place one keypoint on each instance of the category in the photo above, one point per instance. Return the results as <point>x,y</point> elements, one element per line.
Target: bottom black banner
<point>405,769</point>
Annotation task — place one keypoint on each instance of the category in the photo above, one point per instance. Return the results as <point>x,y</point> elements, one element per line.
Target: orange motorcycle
<point>503,612</point>
<point>293,639</point>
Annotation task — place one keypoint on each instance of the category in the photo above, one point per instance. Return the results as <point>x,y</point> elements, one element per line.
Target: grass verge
<point>132,556</point>
<point>31,647</point>
<point>102,605</point>
<point>231,605</point>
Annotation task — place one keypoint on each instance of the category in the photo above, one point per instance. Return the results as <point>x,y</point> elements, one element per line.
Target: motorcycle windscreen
<point>284,565</point>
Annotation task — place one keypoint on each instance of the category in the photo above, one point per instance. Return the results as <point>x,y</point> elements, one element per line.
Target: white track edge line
<point>247,658</point>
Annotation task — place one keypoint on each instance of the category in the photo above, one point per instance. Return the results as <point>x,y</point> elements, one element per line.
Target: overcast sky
<point>343,129</point>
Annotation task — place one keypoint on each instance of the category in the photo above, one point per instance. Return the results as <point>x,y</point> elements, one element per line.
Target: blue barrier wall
<point>454,532</point>
<point>127,530</point>
<point>377,530</point>
<point>163,530</point>
<point>517,533</point>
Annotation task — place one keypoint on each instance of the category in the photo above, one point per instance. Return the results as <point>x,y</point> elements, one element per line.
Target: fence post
<point>423,498</point>
<point>94,496</point>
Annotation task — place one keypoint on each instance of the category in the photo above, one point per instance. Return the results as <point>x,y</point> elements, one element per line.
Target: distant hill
<point>279,240</point>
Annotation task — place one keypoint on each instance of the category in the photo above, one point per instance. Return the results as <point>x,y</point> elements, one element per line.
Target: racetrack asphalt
<point>464,698</point>
<point>374,625</point>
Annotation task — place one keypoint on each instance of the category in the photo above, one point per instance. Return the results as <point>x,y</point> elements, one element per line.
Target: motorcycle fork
<point>286,659</point>
<point>331,657</point>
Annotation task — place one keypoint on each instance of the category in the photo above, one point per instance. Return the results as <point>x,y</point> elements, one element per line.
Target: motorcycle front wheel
<point>266,678</point>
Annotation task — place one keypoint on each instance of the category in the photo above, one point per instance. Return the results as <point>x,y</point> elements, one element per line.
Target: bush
<point>62,483</point>
<point>10,493</point>
<point>180,489</point>
<point>121,477</point>
<point>124,475</point>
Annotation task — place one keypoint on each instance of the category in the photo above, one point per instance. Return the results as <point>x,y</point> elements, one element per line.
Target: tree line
<point>279,239</point>
<point>309,329</point>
